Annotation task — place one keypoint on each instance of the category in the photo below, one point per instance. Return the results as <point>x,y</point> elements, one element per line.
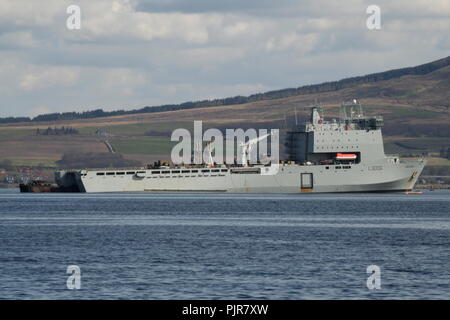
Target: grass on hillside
<point>15,134</point>
<point>143,145</point>
<point>410,113</point>
<point>393,112</point>
<point>417,145</point>
<point>47,163</point>
<point>138,129</point>
<point>438,162</point>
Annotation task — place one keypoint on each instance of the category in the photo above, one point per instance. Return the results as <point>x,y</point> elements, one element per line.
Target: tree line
<point>56,131</point>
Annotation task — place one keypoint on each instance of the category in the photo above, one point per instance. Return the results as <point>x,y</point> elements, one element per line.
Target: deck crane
<point>246,148</point>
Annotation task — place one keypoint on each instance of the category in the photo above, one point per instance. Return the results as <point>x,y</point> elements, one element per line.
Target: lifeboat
<point>346,156</point>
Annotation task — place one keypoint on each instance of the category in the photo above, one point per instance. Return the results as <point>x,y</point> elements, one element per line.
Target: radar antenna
<point>351,110</point>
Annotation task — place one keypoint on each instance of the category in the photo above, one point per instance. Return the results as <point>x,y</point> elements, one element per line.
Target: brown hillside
<point>415,107</point>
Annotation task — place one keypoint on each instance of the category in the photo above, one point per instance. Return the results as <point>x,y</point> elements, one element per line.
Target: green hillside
<point>415,103</point>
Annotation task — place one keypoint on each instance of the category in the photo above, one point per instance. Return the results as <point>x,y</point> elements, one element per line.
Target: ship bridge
<point>325,142</point>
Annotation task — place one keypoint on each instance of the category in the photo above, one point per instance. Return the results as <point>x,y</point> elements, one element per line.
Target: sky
<point>128,54</point>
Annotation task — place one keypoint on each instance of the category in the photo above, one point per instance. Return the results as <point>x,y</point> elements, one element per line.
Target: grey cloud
<point>171,51</point>
<point>264,7</point>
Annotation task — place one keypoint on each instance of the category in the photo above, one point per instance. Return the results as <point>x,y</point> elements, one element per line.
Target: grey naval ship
<point>341,155</point>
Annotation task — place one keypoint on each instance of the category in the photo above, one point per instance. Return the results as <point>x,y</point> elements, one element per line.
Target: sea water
<point>224,246</point>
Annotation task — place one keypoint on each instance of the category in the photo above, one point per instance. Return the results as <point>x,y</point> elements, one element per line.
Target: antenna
<point>351,110</point>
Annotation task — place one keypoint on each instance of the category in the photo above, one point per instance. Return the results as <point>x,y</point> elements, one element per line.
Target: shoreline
<point>417,187</point>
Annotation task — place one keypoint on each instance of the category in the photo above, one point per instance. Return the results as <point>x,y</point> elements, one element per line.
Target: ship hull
<point>372,177</point>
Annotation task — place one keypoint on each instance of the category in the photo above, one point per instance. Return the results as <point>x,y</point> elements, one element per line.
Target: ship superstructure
<point>345,155</point>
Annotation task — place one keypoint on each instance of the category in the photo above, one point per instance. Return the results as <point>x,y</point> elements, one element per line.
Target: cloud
<point>130,54</point>
<point>123,81</point>
<point>24,13</point>
<point>49,77</point>
<point>39,110</point>
<point>301,43</point>
<point>118,19</point>
<point>17,40</point>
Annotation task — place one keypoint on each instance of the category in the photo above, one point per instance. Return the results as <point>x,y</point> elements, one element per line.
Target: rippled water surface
<point>217,246</point>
